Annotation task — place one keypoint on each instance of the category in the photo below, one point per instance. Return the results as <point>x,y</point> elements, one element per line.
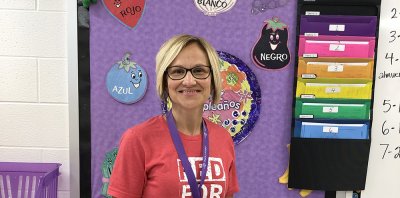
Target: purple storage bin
<point>20,180</point>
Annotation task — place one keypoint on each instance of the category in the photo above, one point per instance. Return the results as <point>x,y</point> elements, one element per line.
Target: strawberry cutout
<point>128,12</point>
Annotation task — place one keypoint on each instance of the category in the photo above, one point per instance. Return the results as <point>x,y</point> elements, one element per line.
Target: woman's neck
<point>188,122</point>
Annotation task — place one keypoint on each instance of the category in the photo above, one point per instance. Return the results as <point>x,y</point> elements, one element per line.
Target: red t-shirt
<point>148,165</point>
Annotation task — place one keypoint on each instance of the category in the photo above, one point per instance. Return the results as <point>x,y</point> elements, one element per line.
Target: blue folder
<point>331,130</point>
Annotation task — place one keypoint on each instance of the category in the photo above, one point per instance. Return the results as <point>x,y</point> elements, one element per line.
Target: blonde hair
<point>170,50</point>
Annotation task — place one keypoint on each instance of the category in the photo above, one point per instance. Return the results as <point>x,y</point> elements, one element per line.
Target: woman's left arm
<point>233,180</point>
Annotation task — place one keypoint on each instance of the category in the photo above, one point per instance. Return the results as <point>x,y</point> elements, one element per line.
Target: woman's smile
<point>189,92</point>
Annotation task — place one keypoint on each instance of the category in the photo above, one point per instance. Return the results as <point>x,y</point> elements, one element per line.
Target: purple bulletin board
<point>263,156</point>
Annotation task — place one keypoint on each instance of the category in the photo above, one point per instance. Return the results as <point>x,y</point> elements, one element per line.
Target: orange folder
<point>336,67</point>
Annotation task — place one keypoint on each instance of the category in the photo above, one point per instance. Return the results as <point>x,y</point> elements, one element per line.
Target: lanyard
<point>196,190</point>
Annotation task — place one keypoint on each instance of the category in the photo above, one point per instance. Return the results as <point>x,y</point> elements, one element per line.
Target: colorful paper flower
<point>232,78</point>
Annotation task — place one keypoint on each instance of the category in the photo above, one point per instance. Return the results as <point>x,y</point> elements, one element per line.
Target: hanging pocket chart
<point>332,109</point>
<point>336,67</point>
<point>336,46</point>
<point>338,25</point>
<point>335,60</point>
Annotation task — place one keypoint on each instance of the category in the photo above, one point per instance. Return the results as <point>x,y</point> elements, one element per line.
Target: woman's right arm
<point>128,176</point>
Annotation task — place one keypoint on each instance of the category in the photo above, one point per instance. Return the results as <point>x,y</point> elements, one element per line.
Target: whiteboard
<point>383,176</point>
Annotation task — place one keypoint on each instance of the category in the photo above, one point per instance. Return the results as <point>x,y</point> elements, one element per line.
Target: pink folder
<point>337,46</point>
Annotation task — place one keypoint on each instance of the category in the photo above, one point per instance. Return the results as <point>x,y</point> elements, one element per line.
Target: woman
<point>166,156</point>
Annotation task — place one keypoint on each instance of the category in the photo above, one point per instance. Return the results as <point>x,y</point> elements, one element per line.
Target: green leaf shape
<point>126,63</point>
<point>274,24</point>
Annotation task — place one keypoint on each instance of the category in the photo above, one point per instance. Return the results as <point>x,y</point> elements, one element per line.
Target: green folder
<point>332,108</point>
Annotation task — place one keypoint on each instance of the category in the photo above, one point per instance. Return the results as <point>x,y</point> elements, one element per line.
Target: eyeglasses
<point>198,72</point>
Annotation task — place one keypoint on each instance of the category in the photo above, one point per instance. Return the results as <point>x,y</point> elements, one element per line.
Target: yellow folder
<point>334,88</point>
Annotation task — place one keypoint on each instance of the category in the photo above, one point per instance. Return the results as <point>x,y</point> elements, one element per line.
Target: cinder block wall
<point>34,84</point>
